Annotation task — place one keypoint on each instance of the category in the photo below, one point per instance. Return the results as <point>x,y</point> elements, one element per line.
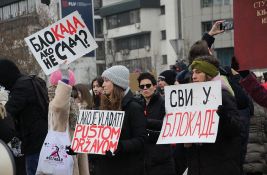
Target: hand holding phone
<point>227,25</point>
<point>216,28</point>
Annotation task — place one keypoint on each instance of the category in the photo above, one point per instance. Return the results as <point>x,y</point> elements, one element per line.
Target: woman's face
<point>107,86</point>
<point>161,83</point>
<point>79,97</point>
<point>198,76</point>
<point>147,88</point>
<point>96,88</point>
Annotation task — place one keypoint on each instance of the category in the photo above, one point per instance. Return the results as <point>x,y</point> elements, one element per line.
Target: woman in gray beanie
<point>128,158</point>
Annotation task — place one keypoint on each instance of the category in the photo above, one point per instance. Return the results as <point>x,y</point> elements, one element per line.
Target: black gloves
<point>244,73</point>
<point>220,110</point>
<point>116,152</point>
<point>70,151</point>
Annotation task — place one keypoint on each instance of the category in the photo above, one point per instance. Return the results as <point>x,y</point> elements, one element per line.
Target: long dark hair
<point>113,101</point>
<point>85,94</point>
<point>96,98</point>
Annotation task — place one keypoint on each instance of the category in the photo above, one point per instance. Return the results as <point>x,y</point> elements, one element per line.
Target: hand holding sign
<point>70,151</point>
<point>98,132</point>
<point>116,152</point>
<point>64,69</point>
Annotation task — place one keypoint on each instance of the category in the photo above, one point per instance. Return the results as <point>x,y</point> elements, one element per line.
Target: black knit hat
<point>9,73</point>
<point>168,76</point>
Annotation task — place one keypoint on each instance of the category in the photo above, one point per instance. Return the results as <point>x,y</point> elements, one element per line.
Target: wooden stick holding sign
<point>191,113</point>
<point>97,131</point>
<point>67,39</point>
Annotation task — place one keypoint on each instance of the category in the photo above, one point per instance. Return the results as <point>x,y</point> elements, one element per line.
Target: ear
<point>155,87</point>
<point>208,78</point>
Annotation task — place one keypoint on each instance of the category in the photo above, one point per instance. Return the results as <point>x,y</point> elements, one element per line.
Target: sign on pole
<point>67,39</point>
<point>191,113</point>
<point>97,131</point>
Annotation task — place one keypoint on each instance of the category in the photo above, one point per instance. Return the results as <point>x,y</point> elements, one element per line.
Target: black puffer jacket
<point>23,107</point>
<point>130,159</point>
<point>158,158</point>
<point>223,156</point>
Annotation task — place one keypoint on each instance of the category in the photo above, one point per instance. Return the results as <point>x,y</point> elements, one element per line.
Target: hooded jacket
<point>23,106</point>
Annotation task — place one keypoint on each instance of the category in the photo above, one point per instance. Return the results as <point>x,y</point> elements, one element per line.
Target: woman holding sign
<point>128,158</point>
<point>223,156</point>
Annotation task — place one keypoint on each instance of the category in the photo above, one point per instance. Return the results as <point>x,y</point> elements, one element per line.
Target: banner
<point>67,39</point>
<point>97,131</point>
<point>250,34</point>
<point>85,8</point>
<point>191,113</point>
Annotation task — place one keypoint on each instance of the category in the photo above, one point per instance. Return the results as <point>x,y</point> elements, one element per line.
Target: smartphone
<point>227,25</point>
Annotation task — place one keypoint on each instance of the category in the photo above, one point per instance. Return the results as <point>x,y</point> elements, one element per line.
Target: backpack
<point>41,91</point>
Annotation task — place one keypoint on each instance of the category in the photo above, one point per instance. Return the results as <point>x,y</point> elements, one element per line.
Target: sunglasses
<point>142,86</point>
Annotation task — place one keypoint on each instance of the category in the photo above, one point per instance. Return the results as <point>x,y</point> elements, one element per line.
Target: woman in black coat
<point>128,159</point>
<point>223,156</point>
<point>158,158</point>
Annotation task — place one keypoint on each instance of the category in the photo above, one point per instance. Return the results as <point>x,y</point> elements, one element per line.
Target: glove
<point>220,110</point>
<point>244,73</point>
<point>116,152</point>
<point>109,154</point>
<point>2,111</point>
<point>64,69</point>
<point>70,151</point>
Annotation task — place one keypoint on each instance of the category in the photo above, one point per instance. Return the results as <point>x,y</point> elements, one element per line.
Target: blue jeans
<point>31,163</point>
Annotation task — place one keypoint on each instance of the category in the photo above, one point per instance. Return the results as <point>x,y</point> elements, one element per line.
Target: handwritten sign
<point>67,39</point>
<point>97,131</point>
<point>191,113</point>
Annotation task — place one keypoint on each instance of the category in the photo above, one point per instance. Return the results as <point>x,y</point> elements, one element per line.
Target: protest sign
<point>250,33</point>
<point>191,113</point>
<point>97,131</point>
<point>67,39</point>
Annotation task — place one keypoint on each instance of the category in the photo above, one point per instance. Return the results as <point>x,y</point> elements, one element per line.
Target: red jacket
<point>255,90</point>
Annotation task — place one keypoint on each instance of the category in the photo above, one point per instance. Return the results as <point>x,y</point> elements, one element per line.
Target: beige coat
<point>59,110</point>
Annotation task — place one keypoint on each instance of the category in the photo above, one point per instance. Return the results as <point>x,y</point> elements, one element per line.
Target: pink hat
<point>56,76</point>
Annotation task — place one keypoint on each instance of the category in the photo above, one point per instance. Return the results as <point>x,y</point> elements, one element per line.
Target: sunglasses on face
<point>142,86</point>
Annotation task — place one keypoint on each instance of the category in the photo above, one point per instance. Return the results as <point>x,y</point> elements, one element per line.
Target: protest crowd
<point>59,121</point>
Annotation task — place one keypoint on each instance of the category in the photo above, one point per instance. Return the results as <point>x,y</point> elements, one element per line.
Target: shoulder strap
<point>41,95</point>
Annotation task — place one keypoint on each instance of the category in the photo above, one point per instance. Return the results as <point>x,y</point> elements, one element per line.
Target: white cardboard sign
<point>97,131</point>
<point>191,113</point>
<point>67,39</point>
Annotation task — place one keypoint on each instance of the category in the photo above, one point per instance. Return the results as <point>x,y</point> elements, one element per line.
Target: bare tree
<point>12,34</point>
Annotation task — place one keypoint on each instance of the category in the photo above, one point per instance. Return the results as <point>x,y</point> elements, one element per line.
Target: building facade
<point>144,35</point>
<point>151,35</point>
<point>198,17</point>
<point>137,33</point>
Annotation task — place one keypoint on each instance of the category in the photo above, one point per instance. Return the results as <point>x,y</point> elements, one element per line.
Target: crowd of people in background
<point>28,116</point>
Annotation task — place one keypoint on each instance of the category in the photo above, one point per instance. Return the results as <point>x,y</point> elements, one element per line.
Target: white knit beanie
<point>119,75</point>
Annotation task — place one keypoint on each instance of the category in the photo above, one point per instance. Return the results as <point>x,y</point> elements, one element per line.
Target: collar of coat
<point>127,98</point>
